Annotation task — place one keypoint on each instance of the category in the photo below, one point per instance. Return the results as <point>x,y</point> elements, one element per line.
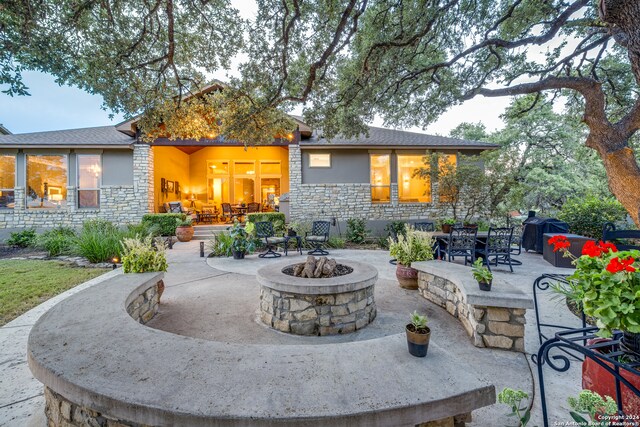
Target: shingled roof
<point>396,138</point>
<point>96,136</point>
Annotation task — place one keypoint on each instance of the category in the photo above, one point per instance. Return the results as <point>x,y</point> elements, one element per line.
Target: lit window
<point>46,181</point>
<point>446,165</point>
<point>269,190</point>
<point>89,179</point>
<point>243,190</point>
<point>7,181</point>
<point>270,168</point>
<point>245,168</point>
<point>320,160</point>
<point>413,188</point>
<point>380,178</point>
<point>218,167</point>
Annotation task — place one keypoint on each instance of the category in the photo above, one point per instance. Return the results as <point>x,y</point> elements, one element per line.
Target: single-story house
<point>66,177</point>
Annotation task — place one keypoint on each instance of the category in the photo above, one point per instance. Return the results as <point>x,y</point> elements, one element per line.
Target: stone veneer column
<point>19,197</point>
<point>295,182</point>
<point>143,177</point>
<point>72,204</point>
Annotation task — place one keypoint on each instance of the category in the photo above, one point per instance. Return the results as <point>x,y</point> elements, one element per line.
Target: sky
<point>54,107</point>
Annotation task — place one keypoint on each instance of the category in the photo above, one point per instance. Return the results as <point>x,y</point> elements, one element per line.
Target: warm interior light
<point>55,197</point>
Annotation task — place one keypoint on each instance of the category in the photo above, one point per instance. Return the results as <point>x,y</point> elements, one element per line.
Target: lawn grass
<point>26,283</point>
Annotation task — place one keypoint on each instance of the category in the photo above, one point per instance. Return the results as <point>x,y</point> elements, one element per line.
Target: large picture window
<point>380,178</point>
<point>89,180</point>
<point>7,181</point>
<point>320,160</point>
<point>413,188</point>
<point>46,181</point>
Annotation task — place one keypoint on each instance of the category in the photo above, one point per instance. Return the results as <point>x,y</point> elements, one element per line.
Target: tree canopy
<point>348,60</point>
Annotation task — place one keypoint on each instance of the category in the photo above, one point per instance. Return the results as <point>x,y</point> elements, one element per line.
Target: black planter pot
<point>631,342</point>
<point>485,286</point>
<point>238,254</point>
<point>291,233</point>
<point>418,343</point>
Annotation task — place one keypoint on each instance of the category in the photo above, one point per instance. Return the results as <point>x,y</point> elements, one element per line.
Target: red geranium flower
<point>591,249</point>
<point>608,246</point>
<point>615,265</point>
<point>559,242</point>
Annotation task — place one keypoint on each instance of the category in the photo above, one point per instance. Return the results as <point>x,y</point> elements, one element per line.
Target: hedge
<point>276,218</point>
<point>587,215</point>
<point>166,222</point>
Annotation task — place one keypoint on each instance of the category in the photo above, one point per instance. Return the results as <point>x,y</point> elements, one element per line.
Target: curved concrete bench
<point>101,367</point>
<point>493,319</point>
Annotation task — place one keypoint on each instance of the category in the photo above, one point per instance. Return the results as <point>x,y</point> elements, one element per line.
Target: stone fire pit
<point>317,306</point>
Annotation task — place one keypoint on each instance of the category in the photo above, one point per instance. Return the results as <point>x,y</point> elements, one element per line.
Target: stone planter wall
<point>317,314</point>
<point>494,327</point>
<point>145,306</point>
<point>62,412</point>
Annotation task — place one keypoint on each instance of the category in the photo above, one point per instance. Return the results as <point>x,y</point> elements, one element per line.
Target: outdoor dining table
<point>443,239</point>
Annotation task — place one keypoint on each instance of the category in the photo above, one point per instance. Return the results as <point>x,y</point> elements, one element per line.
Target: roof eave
<point>65,146</point>
<point>400,147</point>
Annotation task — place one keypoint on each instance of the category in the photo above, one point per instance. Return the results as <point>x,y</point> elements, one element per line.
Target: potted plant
<point>241,243</point>
<point>470,224</point>
<point>482,274</point>
<point>411,247</point>
<point>605,284</point>
<point>418,335</point>
<point>184,230</point>
<point>446,224</point>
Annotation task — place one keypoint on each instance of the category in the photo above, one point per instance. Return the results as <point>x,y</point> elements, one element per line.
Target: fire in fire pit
<point>315,268</point>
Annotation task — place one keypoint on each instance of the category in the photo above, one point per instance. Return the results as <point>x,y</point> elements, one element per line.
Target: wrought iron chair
<point>253,207</point>
<point>462,242</point>
<point>319,236</point>
<point>425,226</point>
<point>228,213</point>
<point>498,246</point>
<point>516,244</point>
<point>264,230</point>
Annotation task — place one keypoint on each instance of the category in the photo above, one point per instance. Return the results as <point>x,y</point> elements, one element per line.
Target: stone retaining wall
<point>62,412</point>
<point>317,314</point>
<point>493,327</point>
<point>145,306</point>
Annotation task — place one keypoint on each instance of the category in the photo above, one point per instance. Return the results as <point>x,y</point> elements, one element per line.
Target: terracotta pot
<point>184,233</point>
<point>598,379</point>
<point>407,276</point>
<point>160,285</point>
<point>446,228</point>
<point>418,343</point>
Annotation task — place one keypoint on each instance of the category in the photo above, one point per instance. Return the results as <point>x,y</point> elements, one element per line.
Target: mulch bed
<point>14,251</point>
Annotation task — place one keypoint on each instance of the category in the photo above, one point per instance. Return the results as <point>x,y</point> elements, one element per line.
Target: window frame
<point>371,184</point>
<point>64,154</point>
<point>329,156</point>
<point>400,182</point>
<point>15,179</point>
<point>100,182</point>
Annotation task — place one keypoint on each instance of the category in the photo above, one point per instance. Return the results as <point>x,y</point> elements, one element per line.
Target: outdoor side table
<point>555,258</point>
<point>298,242</point>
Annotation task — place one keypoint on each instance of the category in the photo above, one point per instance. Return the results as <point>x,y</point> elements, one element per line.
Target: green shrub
<point>99,241</point>
<point>140,256</point>
<point>394,228</point>
<point>275,218</point>
<point>336,242</point>
<point>143,229</point>
<point>220,245</point>
<point>414,246</point>
<point>586,216</point>
<point>22,239</point>
<point>58,241</point>
<point>356,230</point>
<point>166,222</point>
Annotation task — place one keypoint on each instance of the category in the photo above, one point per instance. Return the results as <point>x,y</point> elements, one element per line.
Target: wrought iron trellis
<point>574,344</point>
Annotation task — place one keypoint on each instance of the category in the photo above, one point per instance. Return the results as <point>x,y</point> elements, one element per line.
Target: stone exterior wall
<point>317,314</point>
<point>350,200</point>
<point>493,327</point>
<point>145,306</point>
<point>120,204</point>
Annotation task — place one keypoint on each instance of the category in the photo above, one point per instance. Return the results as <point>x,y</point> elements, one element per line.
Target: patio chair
<point>516,244</point>
<point>228,213</point>
<point>319,236</point>
<point>425,226</point>
<point>253,207</point>
<point>498,246</point>
<point>461,242</point>
<point>264,230</point>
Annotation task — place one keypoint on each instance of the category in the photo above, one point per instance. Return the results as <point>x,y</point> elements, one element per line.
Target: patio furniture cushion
<point>275,240</point>
<point>317,238</point>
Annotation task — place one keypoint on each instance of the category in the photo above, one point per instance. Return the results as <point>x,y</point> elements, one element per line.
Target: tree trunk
<point>623,175</point>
